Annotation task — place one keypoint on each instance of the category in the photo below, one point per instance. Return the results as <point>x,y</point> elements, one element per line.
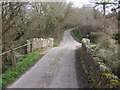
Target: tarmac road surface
<point>56,69</point>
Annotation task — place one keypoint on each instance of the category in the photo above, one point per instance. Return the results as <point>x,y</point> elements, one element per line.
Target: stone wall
<point>99,74</point>
<point>86,42</point>
<point>35,43</point>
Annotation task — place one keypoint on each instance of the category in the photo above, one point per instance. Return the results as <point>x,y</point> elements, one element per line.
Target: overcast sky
<point>79,3</point>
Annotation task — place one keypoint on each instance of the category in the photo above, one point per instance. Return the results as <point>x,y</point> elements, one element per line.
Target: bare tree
<point>104,3</point>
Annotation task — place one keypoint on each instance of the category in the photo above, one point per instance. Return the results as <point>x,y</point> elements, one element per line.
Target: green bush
<point>22,64</point>
<point>93,47</point>
<point>117,37</point>
<point>75,35</point>
<point>58,39</point>
<point>56,44</point>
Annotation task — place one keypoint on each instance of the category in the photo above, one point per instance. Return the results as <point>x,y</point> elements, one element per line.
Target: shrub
<point>117,37</point>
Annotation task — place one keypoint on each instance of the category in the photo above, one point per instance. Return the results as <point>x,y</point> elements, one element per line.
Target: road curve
<point>56,69</point>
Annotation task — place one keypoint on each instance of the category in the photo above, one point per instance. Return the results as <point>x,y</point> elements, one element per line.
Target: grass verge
<point>22,64</point>
<point>75,36</point>
<point>56,44</point>
<point>58,39</point>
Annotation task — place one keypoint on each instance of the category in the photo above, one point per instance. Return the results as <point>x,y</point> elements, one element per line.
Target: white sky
<point>79,3</point>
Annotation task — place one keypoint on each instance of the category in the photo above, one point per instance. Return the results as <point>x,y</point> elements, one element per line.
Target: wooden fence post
<point>13,58</point>
<point>30,46</point>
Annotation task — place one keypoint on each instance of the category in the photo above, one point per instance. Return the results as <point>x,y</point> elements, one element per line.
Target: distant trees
<point>42,19</point>
<point>87,19</point>
<point>21,21</point>
<point>52,16</point>
<point>12,18</point>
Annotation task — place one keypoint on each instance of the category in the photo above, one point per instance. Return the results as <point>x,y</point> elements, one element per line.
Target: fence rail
<point>12,53</point>
<point>32,44</point>
<point>13,49</point>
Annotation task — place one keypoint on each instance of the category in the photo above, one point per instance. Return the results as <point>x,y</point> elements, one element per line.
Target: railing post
<point>30,46</point>
<point>13,58</point>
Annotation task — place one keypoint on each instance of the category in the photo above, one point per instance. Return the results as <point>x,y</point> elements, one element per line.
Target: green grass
<point>75,36</point>
<point>58,39</point>
<point>22,64</point>
<point>38,49</point>
<point>56,44</point>
<point>93,47</point>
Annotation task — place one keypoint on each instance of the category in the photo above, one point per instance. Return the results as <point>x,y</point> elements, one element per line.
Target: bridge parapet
<point>35,43</point>
<point>98,72</point>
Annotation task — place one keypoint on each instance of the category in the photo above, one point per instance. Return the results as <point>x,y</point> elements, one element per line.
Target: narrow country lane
<point>56,69</point>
